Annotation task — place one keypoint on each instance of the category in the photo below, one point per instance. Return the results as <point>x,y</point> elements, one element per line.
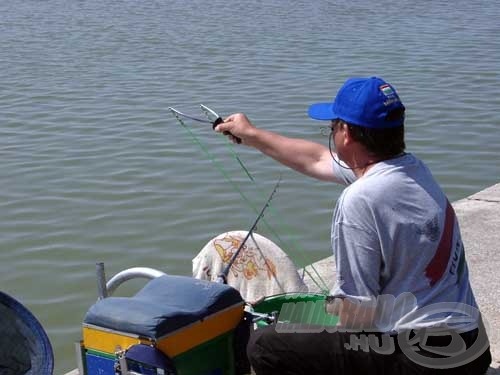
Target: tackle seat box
<point>173,313</point>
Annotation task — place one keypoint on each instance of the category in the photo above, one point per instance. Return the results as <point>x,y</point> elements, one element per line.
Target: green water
<point>95,168</point>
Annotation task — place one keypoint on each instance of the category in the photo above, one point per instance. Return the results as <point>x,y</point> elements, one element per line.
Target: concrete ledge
<point>479,218</point>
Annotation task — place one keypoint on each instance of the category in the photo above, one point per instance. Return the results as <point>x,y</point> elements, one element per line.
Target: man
<point>397,248</point>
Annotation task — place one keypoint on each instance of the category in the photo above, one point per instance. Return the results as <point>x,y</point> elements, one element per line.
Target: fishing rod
<point>222,277</point>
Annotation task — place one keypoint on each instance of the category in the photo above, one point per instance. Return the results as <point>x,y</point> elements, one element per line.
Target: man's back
<point>395,232</point>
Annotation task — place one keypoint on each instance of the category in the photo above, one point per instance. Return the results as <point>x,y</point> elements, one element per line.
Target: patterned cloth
<point>261,269</point>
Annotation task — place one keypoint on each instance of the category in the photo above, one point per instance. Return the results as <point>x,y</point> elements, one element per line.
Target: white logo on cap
<point>389,93</point>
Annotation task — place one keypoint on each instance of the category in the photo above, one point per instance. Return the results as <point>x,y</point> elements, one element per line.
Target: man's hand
<point>237,126</point>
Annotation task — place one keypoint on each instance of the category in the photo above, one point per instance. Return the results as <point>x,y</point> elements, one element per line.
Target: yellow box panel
<point>108,341</point>
<point>199,332</point>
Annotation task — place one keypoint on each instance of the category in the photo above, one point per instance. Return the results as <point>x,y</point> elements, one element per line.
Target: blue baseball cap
<point>363,102</point>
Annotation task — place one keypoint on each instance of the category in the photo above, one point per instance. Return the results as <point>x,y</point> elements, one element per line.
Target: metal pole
<point>102,292</point>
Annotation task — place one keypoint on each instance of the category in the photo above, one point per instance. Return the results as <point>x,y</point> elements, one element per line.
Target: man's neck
<point>360,168</point>
<point>360,161</point>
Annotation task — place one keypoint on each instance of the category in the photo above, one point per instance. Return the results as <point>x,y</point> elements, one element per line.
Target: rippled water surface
<point>93,166</point>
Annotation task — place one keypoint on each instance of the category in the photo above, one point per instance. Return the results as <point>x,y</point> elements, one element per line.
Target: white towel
<point>261,269</point>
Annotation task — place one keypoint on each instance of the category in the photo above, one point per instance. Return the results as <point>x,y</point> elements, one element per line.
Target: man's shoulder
<point>391,181</point>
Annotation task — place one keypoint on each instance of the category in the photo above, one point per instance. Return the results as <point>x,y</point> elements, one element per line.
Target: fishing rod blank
<point>222,277</point>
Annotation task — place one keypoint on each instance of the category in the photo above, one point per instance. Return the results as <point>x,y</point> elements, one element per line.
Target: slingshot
<point>212,118</point>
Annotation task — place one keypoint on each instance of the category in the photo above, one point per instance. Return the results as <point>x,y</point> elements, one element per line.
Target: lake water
<point>94,167</point>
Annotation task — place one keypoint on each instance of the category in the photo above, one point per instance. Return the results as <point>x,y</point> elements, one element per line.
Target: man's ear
<point>348,139</point>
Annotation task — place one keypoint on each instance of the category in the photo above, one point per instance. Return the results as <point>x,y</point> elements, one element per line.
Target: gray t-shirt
<point>396,240</point>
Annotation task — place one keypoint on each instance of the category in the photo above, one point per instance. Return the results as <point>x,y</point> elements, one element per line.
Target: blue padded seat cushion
<point>164,305</point>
